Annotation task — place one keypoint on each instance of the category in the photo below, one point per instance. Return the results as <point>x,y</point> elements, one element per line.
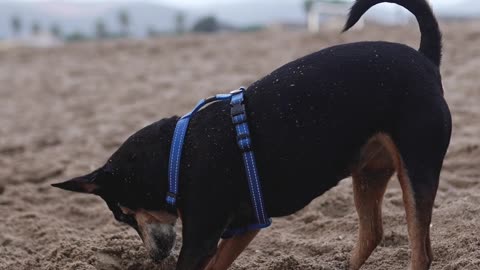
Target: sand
<point>64,110</point>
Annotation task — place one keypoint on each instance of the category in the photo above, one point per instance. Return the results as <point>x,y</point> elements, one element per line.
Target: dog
<point>365,110</point>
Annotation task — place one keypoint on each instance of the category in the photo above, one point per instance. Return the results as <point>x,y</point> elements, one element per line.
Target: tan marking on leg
<point>374,155</point>
<point>229,249</point>
<point>428,244</point>
<point>370,180</point>
<point>418,226</point>
<point>418,221</point>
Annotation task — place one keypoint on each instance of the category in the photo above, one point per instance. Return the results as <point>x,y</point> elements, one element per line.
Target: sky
<point>201,3</point>
<point>177,3</point>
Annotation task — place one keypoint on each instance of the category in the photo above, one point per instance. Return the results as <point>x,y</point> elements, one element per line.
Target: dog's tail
<point>431,41</point>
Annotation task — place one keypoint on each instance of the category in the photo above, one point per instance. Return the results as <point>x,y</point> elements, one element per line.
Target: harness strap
<point>244,141</point>
<point>176,150</point>
<point>239,119</point>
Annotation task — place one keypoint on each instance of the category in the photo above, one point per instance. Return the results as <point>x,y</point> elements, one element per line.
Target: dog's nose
<point>158,255</point>
<point>159,240</point>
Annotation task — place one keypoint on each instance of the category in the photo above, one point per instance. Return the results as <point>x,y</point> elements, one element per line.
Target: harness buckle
<point>171,198</point>
<point>239,119</point>
<point>244,143</point>
<point>237,91</point>
<point>237,109</point>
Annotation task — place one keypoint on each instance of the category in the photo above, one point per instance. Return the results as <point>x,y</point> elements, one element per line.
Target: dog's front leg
<point>194,257</point>
<point>229,249</point>
<point>199,244</point>
<point>204,220</point>
<point>201,233</point>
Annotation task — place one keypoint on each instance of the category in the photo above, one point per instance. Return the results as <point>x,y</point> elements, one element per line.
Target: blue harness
<point>239,119</point>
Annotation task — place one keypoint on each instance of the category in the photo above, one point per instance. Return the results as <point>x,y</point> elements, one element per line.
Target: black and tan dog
<point>365,110</point>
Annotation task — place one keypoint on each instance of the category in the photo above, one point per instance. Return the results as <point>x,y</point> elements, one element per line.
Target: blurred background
<point>52,22</point>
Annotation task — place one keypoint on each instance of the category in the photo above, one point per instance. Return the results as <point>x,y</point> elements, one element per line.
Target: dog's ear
<point>83,184</point>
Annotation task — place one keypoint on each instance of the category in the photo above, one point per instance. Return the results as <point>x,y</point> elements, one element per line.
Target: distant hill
<point>82,17</point>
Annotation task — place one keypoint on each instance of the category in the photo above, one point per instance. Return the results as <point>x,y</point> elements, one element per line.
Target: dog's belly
<point>295,173</point>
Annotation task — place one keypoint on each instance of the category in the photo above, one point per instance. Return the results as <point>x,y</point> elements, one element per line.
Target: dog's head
<point>134,184</point>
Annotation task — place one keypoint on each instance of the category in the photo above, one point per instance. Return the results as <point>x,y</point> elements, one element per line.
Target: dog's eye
<point>119,215</point>
<point>126,215</point>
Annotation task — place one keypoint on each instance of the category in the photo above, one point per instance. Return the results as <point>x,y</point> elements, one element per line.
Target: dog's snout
<point>159,240</point>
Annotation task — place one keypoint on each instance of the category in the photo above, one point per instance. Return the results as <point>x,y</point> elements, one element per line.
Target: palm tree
<point>180,23</point>
<point>101,31</point>
<point>307,5</point>
<point>16,24</point>
<point>36,28</point>
<point>55,30</point>
<point>124,20</point>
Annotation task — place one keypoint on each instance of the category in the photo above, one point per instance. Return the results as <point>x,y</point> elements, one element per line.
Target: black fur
<point>308,119</point>
<point>431,40</point>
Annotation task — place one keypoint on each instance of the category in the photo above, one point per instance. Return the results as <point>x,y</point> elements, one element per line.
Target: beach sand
<point>64,110</point>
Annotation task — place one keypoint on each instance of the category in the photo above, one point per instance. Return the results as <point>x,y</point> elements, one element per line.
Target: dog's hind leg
<point>370,179</point>
<point>418,200</point>
<point>419,183</point>
<point>421,145</point>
